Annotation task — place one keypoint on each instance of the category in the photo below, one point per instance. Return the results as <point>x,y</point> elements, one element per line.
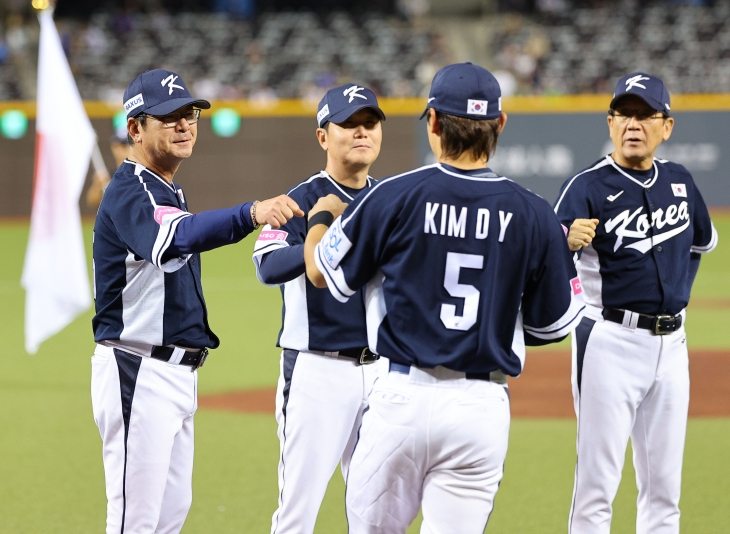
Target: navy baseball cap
<point>649,88</point>
<point>465,90</point>
<point>158,92</point>
<point>341,103</point>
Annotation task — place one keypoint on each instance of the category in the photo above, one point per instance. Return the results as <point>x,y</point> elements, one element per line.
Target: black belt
<point>362,356</point>
<point>193,358</point>
<point>406,369</point>
<point>658,325</point>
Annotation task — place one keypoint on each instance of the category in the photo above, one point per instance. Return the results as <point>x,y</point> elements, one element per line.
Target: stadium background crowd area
<point>267,49</point>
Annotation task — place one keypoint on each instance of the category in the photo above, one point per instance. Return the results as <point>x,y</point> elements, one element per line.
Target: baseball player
<point>326,369</point>
<point>462,267</point>
<point>151,323</point>
<point>638,224</point>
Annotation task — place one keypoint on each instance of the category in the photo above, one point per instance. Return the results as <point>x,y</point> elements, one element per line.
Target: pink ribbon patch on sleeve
<point>164,210</point>
<point>272,235</point>
<point>576,286</point>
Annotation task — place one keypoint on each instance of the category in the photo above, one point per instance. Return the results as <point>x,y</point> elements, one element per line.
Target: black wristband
<point>323,217</point>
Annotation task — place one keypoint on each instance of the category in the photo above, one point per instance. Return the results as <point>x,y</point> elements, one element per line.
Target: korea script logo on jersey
<point>335,244</point>
<point>641,225</point>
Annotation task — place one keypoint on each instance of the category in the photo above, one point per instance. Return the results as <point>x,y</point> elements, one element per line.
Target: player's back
<point>461,253</point>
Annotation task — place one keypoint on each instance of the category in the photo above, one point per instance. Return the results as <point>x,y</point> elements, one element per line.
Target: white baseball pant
<point>628,383</point>
<point>429,439</point>
<point>144,410</point>
<point>319,404</point>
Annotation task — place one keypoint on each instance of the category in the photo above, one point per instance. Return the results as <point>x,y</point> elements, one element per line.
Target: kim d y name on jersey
<point>452,225</point>
<point>444,221</point>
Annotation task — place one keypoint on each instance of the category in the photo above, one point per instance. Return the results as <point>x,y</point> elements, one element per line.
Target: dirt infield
<point>543,390</point>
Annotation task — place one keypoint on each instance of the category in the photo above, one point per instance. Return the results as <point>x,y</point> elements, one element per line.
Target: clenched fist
<point>276,211</point>
<point>581,233</point>
<point>331,203</point>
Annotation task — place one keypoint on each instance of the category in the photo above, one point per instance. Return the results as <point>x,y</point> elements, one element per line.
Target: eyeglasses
<point>641,116</point>
<point>173,119</point>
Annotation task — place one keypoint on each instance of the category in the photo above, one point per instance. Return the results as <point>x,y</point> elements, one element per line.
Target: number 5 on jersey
<point>454,263</point>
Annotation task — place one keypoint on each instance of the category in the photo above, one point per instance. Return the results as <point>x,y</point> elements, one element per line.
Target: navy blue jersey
<point>458,266</point>
<point>144,296</point>
<point>312,319</point>
<point>649,222</point>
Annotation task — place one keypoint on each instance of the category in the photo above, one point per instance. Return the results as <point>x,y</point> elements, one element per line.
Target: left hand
<point>581,233</point>
<point>331,203</point>
<point>99,181</point>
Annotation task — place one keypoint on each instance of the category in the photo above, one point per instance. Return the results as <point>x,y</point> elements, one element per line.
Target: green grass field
<point>51,478</point>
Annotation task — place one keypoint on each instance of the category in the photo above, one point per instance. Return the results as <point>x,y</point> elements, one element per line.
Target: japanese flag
<point>679,190</point>
<point>55,275</point>
<point>476,107</point>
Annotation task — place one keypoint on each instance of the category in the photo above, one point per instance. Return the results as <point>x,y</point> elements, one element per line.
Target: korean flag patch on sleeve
<point>679,190</point>
<point>477,107</point>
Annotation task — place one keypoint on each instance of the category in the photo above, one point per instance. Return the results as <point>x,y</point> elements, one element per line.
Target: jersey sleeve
<point>349,252</point>
<point>552,303</point>
<point>281,265</point>
<point>146,223</point>
<point>705,236</point>
<point>275,266</point>
<point>572,202</point>
<point>211,229</point>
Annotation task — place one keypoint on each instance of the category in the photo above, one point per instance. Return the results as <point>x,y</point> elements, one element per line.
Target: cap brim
<point>653,104</point>
<point>173,105</point>
<point>343,115</point>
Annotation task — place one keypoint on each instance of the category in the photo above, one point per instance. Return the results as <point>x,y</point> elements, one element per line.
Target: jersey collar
<point>139,168</point>
<point>334,182</point>
<point>484,174</point>
<point>645,185</point>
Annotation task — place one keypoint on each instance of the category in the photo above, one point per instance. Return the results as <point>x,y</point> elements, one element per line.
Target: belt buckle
<point>658,322</point>
<point>367,356</point>
<point>201,361</point>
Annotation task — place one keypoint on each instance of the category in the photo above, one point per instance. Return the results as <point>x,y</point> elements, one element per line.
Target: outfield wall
<point>547,140</point>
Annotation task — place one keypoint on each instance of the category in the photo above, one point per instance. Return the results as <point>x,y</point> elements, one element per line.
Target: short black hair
<point>459,135</point>
<point>142,118</point>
